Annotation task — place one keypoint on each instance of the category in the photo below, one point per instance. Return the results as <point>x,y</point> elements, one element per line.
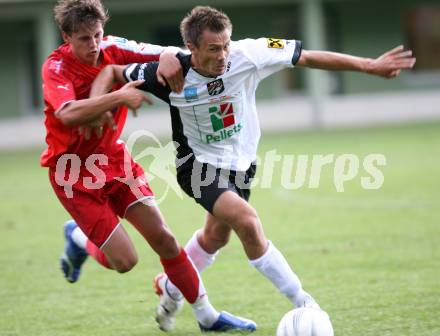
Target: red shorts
<point>96,199</point>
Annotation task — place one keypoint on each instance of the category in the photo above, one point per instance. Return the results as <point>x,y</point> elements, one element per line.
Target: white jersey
<point>217,118</point>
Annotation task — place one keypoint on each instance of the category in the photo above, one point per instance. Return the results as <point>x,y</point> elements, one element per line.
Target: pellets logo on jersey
<point>223,123</point>
<point>275,43</point>
<point>215,87</point>
<point>222,116</point>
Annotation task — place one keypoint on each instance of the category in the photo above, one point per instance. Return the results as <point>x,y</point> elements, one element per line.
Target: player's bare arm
<point>387,65</point>
<point>83,111</point>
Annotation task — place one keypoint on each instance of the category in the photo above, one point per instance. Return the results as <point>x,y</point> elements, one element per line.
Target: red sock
<point>183,275</point>
<point>97,254</point>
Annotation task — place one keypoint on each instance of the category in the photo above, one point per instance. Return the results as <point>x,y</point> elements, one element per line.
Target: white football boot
<point>168,307</point>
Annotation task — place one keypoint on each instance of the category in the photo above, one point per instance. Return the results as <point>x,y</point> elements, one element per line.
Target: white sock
<point>79,237</point>
<point>205,313</point>
<point>198,255</point>
<point>274,266</point>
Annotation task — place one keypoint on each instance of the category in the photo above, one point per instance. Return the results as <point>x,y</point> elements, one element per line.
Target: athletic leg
<point>148,220</point>
<point>263,255</point>
<point>180,271</point>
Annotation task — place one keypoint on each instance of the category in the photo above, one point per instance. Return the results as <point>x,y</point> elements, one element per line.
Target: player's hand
<point>392,62</point>
<point>97,126</point>
<point>133,97</point>
<point>170,71</point>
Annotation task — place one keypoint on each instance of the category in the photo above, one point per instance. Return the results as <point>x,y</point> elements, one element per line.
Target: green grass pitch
<point>370,257</point>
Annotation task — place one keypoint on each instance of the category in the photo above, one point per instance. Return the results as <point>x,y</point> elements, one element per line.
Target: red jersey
<point>66,79</point>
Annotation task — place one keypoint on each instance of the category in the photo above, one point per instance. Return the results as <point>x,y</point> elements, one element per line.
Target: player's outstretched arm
<point>84,111</point>
<point>387,65</point>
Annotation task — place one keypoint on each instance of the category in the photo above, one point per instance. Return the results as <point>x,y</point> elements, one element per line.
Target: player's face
<point>85,43</point>
<point>209,58</point>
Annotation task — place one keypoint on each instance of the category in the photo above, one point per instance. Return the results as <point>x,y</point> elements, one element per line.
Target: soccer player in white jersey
<point>216,129</point>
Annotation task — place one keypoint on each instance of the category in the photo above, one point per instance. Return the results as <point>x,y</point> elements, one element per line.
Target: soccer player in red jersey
<point>96,180</point>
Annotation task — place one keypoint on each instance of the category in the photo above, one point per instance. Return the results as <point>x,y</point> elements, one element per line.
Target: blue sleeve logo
<point>190,94</point>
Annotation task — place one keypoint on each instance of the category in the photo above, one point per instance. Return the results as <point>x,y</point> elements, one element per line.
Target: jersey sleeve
<point>58,90</point>
<point>270,55</point>
<point>147,72</point>
<point>129,51</point>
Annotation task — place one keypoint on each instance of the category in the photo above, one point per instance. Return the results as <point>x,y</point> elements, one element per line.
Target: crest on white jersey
<point>216,87</point>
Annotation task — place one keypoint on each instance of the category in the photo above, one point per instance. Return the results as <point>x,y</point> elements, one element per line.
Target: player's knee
<point>126,264</point>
